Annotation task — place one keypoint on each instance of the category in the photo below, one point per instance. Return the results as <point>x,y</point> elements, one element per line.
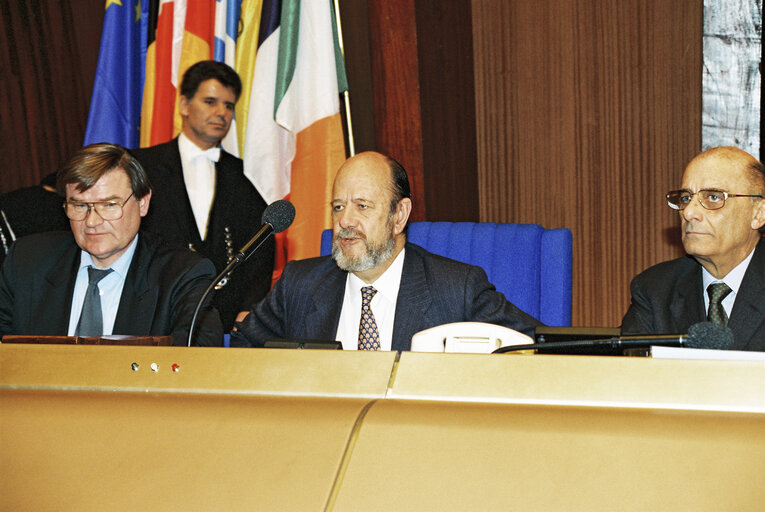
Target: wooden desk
<point>474,432</point>
<point>233,429</point>
<point>247,429</point>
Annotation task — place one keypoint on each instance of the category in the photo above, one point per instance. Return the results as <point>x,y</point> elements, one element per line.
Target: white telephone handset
<point>467,337</point>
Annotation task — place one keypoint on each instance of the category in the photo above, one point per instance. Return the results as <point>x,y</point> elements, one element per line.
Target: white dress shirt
<point>383,306</point>
<point>733,280</point>
<point>199,176</point>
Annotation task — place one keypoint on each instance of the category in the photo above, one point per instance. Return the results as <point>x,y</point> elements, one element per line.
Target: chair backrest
<point>529,264</point>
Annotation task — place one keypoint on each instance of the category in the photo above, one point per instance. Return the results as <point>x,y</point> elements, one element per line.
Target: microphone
<point>705,335</point>
<point>276,218</point>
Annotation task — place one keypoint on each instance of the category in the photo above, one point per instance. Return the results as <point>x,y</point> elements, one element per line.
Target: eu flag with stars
<point>115,107</point>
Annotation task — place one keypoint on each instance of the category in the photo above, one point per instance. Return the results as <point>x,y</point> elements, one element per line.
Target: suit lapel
<point>748,315</point>
<point>59,290</point>
<point>687,308</point>
<point>327,299</point>
<point>219,218</point>
<point>170,174</point>
<point>414,299</point>
<point>138,303</point>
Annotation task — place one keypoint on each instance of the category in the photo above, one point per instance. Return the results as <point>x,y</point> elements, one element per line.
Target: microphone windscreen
<point>279,214</point>
<point>710,335</point>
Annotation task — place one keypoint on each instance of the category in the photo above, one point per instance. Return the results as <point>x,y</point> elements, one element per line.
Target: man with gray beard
<point>376,290</point>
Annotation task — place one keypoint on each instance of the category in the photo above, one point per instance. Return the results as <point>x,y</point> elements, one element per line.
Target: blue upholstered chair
<point>529,264</point>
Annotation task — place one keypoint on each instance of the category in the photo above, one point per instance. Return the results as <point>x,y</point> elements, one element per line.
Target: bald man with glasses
<point>722,278</point>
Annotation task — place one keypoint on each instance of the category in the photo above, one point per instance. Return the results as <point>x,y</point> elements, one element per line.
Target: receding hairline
<point>371,160</point>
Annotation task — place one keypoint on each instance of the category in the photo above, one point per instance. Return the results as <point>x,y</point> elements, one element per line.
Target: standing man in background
<point>201,197</point>
<point>722,279</point>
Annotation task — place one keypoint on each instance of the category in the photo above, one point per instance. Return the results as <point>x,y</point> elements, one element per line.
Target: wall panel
<point>587,112</point>
<point>48,56</point>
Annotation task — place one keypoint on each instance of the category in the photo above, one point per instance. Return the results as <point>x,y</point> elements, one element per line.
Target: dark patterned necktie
<point>717,292</point>
<point>91,320</point>
<point>369,336</point>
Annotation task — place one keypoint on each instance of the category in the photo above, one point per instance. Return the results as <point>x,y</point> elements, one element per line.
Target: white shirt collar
<point>387,284</point>
<point>192,151</point>
<point>733,279</point>
<point>120,267</point>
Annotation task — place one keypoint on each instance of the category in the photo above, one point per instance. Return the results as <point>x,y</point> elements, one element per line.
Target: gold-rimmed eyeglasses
<point>107,210</point>
<point>709,198</point>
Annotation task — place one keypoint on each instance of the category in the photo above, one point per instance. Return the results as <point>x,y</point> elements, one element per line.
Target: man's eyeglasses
<point>710,199</point>
<point>107,210</point>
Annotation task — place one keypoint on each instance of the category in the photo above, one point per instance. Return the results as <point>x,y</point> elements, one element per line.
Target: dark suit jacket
<point>237,209</point>
<point>30,210</point>
<point>668,298</point>
<point>161,290</point>
<point>306,302</point>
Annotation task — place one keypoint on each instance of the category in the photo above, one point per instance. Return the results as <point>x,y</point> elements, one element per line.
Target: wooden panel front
<point>248,429</point>
<point>199,369</point>
<point>606,381</point>
<point>96,450</point>
<point>462,456</point>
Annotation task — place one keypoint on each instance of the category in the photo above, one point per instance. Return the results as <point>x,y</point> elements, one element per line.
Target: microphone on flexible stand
<point>706,335</point>
<point>276,218</point>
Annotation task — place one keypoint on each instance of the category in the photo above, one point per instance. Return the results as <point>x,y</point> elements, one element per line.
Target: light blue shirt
<point>733,280</point>
<point>110,288</point>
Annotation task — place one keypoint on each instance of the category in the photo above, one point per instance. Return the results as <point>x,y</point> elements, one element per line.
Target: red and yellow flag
<point>185,35</point>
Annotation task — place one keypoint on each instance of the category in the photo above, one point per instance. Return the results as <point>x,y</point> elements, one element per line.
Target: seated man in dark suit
<point>722,279</point>
<point>376,290</point>
<point>104,276</point>
<point>202,199</point>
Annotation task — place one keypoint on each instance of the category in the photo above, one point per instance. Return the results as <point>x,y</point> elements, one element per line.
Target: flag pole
<point>346,95</point>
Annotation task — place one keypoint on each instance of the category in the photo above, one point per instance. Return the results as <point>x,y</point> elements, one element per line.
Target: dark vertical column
<point>395,79</point>
<point>421,57</point>
<point>447,105</point>
<point>356,38</point>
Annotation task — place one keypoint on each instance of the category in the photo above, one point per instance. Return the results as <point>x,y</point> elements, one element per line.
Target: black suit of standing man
<point>721,210</point>
<point>209,91</point>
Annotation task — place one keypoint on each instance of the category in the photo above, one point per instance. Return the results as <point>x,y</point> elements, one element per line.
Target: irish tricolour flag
<point>291,136</point>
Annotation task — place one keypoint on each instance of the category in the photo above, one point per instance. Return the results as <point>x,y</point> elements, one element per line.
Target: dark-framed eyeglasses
<point>107,210</point>
<point>709,198</point>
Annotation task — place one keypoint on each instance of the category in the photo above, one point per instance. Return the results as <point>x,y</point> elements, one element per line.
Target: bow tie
<point>212,154</point>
